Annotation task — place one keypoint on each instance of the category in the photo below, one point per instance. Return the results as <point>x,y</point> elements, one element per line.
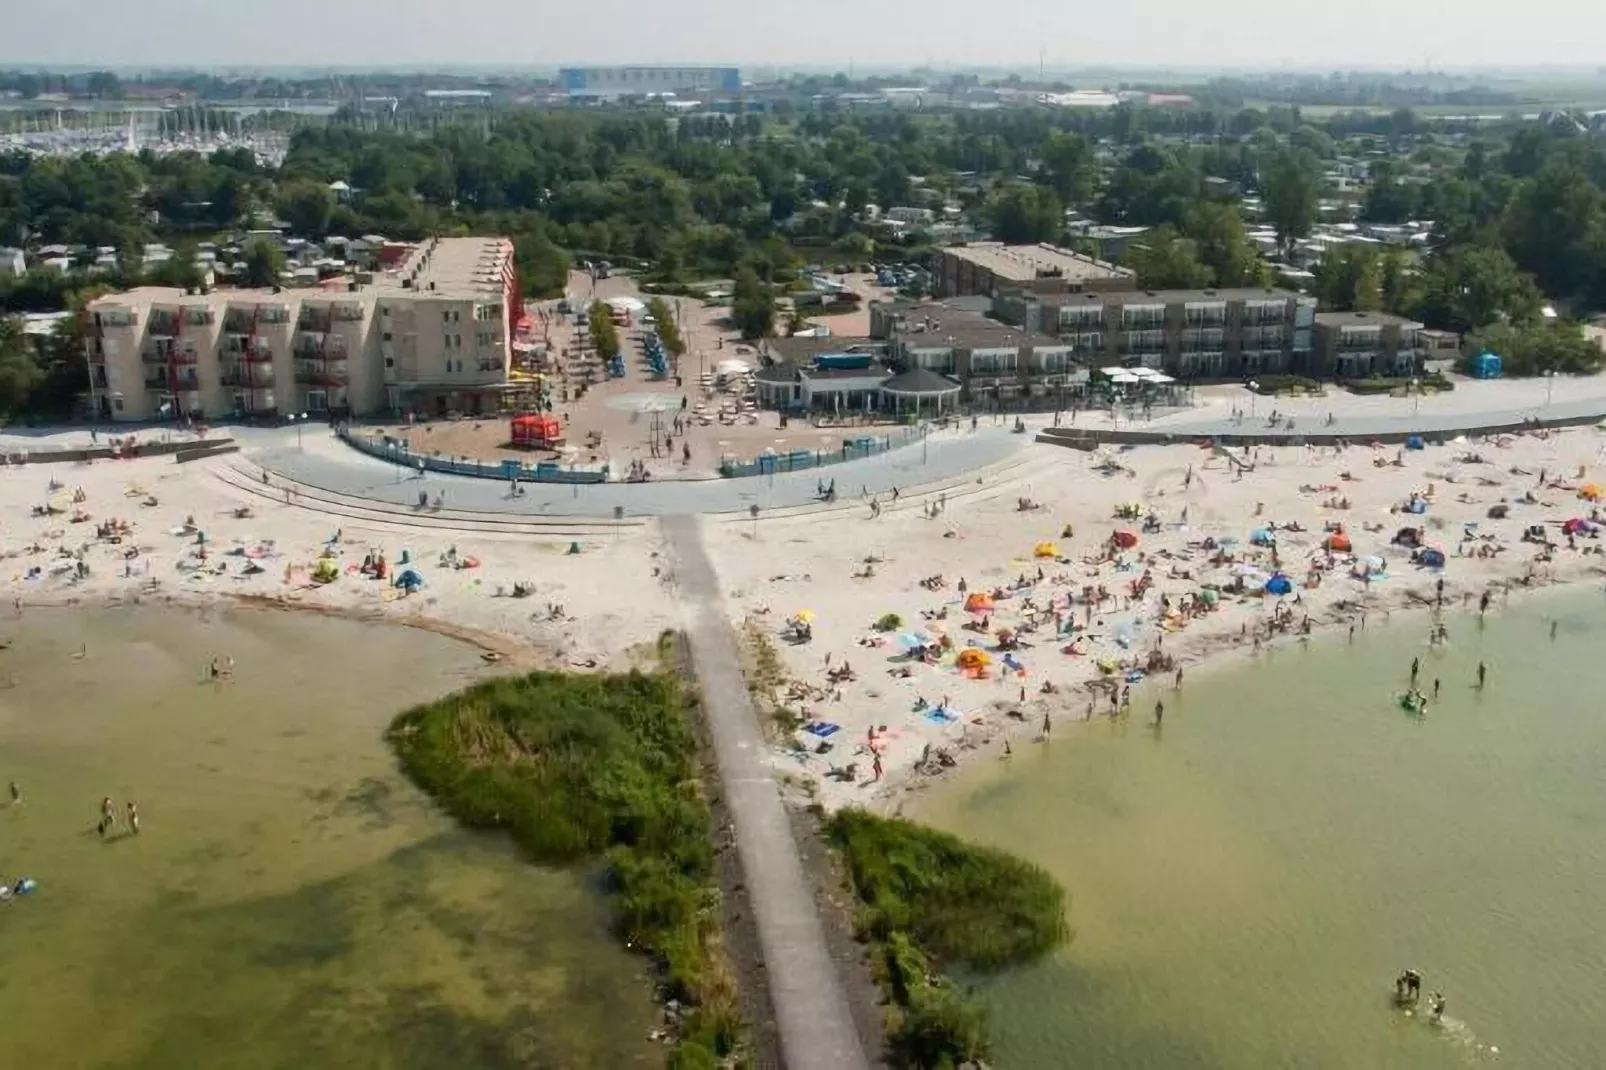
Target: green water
<point>291,901</point>
<point>1246,884</point>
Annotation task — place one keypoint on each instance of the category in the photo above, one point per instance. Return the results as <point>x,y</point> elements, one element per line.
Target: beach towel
<point>822,729</point>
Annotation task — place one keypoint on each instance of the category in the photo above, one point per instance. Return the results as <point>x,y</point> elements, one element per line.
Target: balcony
<point>316,320</point>
<point>316,375</point>
<point>169,355</point>
<point>253,377</point>
<point>349,313</point>
<point>172,384</point>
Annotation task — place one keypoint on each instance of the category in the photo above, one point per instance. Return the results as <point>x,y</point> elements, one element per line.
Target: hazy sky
<point>1454,34</point>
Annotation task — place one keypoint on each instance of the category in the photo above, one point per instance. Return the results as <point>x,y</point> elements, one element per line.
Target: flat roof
<point>937,324</point>
<point>1363,319</point>
<point>1023,263</point>
<point>462,269</point>
<point>1160,297</point>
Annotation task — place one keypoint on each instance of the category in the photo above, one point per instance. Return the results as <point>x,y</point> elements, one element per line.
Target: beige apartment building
<point>430,334</point>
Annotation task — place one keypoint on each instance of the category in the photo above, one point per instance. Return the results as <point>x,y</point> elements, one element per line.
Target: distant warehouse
<point>646,81</point>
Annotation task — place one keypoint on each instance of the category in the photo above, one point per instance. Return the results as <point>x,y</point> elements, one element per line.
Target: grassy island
<point>587,767</point>
<point>929,901</point>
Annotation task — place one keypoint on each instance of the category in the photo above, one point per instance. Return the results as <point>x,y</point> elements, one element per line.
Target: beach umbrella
<point>1338,542</point>
<point>978,602</point>
<point>1046,549</point>
<point>1414,442</point>
<point>1576,526</point>
<point>914,640</point>
<point>1590,492</point>
<point>1209,596</point>
<point>1431,558</point>
<point>804,615</point>
<point>1279,585</point>
<point>1125,539</point>
<point>971,658</point>
<point>1261,537</point>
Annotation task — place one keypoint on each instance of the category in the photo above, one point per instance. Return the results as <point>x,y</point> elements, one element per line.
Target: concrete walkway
<point>811,1007</point>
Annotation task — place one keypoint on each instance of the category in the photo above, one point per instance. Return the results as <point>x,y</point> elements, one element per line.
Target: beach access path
<point>811,1005</point>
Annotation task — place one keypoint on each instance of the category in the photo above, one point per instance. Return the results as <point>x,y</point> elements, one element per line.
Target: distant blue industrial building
<point>648,81</point>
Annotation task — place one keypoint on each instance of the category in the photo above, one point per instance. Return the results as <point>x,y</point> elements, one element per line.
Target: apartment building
<point>1189,334</point>
<point>432,334</point>
<point>991,360</point>
<point>1362,345</point>
<point>981,268</point>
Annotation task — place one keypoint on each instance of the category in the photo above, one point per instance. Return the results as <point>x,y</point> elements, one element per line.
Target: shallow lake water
<point>1246,883</point>
<point>291,900</point>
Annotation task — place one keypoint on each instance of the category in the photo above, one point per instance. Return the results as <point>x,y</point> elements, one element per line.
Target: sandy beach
<point>585,610</point>
<point>1088,617</point>
<point>1073,607</point>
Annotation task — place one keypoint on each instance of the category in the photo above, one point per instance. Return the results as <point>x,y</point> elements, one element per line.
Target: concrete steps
<point>247,482</point>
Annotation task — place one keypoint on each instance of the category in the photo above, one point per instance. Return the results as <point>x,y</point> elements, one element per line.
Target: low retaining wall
<point>112,453</point>
<point>201,453</point>
<point>396,451</point>
<point>1089,438</point>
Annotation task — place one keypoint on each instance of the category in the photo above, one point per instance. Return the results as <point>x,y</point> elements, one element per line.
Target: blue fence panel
<point>395,451</point>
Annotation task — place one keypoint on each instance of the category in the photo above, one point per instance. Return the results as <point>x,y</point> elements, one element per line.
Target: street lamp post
<point>1416,396</point>
<point>1550,385</point>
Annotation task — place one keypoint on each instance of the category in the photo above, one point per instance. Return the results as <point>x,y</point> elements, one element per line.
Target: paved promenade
<point>323,461</point>
<point>811,1006</point>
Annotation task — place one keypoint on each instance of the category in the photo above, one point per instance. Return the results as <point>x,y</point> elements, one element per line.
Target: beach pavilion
<point>919,391</point>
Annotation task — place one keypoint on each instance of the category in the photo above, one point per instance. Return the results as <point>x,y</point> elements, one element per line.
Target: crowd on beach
<point>1079,585</point>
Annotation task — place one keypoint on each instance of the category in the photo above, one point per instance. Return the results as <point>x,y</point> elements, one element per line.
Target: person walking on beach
<point>16,794</point>
<point>1159,713</point>
<point>1553,626</point>
<point>1483,671</point>
<point>1483,603</point>
<point>1416,667</point>
<point>1435,688</point>
<point>133,819</point>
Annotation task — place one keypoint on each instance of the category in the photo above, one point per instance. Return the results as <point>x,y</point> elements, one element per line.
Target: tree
<point>668,329</point>
<point>753,304</point>
<point>20,373</point>
<point>1468,288</point>
<point>604,335</point>
<point>264,263</point>
<point>1167,261</point>
<point>1290,191</point>
<point>1020,215</point>
<point>1217,232</point>
<point>306,206</point>
<point>1540,347</point>
<point>1068,168</point>
<point>1349,279</point>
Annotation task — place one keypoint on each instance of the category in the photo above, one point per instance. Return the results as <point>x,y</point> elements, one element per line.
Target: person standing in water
<point>133,818</point>
<point>1483,671</point>
<point>1416,667</point>
<point>1435,687</point>
<point>1159,713</point>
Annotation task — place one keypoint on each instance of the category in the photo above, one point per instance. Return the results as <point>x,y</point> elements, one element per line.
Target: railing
<point>396,451</point>
<point>181,383</point>
<point>169,356</point>
<point>260,378</point>
<point>320,377</point>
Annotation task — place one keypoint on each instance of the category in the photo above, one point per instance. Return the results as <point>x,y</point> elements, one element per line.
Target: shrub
<point>1278,383</point>
<point>927,895</point>
<point>580,766</point>
<point>1388,384</point>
